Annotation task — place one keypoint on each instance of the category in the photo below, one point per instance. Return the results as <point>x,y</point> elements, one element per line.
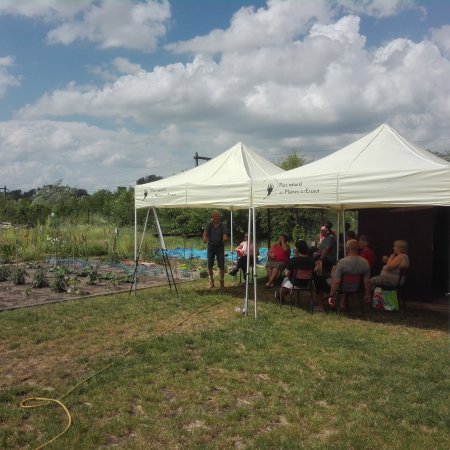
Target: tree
<point>445,155</point>
<point>56,194</point>
<point>148,179</point>
<point>292,161</point>
<point>289,220</point>
<point>122,207</point>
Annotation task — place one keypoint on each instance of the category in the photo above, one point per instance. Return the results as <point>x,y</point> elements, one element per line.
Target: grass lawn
<point>221,380</point>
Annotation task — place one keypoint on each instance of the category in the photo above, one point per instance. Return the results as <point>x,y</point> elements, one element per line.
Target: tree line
<point>73,205</point>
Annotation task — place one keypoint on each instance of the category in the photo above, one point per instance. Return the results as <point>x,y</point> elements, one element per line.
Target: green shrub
<point>5,273</point>
<point>96,249</point>
<point>18,275</point>
<point>6,252</point>
<point>92,275</point>
<point>59,282</point>
<point>40,279</point>
<point>73,285</point>
<point>90,272</point>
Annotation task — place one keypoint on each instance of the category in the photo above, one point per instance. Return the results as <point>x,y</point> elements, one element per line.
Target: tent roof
<point>378,170</point>
<point>222,182</point>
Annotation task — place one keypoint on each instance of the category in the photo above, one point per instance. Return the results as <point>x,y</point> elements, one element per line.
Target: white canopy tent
<point>382,169</point>
<point>223,182</point>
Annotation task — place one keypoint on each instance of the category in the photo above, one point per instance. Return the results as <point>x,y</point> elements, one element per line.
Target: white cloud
<point>314,84</point>
<point>38,152</point>
<point>441,37</point>
<point>6,79</point>
<point>116,24</point>
<point>123,65</point>
<point>104,72</point>
<point>110,24</point>
<point>111,71</point>
<point>171,135</point>
<point>327,79</point>
<point>379,8</point>
<point>49,10</point>
<point>250,28</point>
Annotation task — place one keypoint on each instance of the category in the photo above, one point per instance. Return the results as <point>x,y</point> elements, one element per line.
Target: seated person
<point>301,261</point>
<point>390,273</point>
<point>352,264</point>
<point>365,251</point>
<point>344,237</point>
<point>243,250</point>
<point>277,258</point>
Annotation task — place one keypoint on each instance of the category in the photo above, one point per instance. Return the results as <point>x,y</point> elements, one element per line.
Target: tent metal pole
<point>255,256</point>
<point>135,233</point>
<point>136,259</point>
<point>169,272</point>
<point>231,236</point>
<point>166,260</point>
<point>245,310</point>
<point>338,232</point>
<point>158,227</point>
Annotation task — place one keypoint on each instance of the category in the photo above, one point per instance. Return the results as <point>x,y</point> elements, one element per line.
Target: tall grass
<point>52,240</point>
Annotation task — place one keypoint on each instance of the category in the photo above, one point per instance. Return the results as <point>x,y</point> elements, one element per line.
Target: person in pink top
<point>242,250</point>
<point>277,259</point>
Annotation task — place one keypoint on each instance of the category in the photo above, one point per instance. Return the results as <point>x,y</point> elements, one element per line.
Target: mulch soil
<point>149,275</point>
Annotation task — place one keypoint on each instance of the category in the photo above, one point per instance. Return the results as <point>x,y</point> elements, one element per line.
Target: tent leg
<point>167,265</point>
<point>255,256</point>
<point>169,272</point>
<point>231,237</point>
<point>138,253</point>
<point>245,309</point>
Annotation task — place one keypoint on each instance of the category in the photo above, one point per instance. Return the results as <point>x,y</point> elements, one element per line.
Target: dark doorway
<point>441,250</point>
<point>426,229</point>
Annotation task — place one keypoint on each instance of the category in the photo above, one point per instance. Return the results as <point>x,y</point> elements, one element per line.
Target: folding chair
<point>241,272</point>
<point>302,282</point>
<point>350,287</point>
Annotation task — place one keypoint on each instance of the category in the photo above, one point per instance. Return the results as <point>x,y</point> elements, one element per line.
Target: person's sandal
<point>211,283</point>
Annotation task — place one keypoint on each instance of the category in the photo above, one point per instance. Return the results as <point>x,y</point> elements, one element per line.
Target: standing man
<point>215,234</point>
<point>327,248</point>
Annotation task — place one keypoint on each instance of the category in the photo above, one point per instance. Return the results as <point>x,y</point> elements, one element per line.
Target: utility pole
<point>196,157</point>
<point>4,190</point>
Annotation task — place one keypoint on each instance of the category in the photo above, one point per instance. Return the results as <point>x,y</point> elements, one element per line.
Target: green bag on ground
<point>385,300</point>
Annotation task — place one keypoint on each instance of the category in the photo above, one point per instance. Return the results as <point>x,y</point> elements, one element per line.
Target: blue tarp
<point>192,253</point>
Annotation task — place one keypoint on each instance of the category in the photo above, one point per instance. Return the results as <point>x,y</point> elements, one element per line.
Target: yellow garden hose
<point>38,402</point>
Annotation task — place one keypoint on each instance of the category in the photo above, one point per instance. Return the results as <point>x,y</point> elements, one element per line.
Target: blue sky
<point>100,93</point>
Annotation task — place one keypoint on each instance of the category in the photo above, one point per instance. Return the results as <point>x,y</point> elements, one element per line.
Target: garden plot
<point>60,280</point>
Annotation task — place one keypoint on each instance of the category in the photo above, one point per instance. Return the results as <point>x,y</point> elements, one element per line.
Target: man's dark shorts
<point>216,251</point>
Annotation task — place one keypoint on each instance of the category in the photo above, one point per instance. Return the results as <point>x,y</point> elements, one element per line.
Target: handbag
<point>384,300</point>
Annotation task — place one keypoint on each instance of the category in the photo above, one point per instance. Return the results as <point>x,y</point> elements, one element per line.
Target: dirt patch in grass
<point>112,279</point>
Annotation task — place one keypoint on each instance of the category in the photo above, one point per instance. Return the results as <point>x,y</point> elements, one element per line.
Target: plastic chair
<point>304,280</point>
<point>350,287</point>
